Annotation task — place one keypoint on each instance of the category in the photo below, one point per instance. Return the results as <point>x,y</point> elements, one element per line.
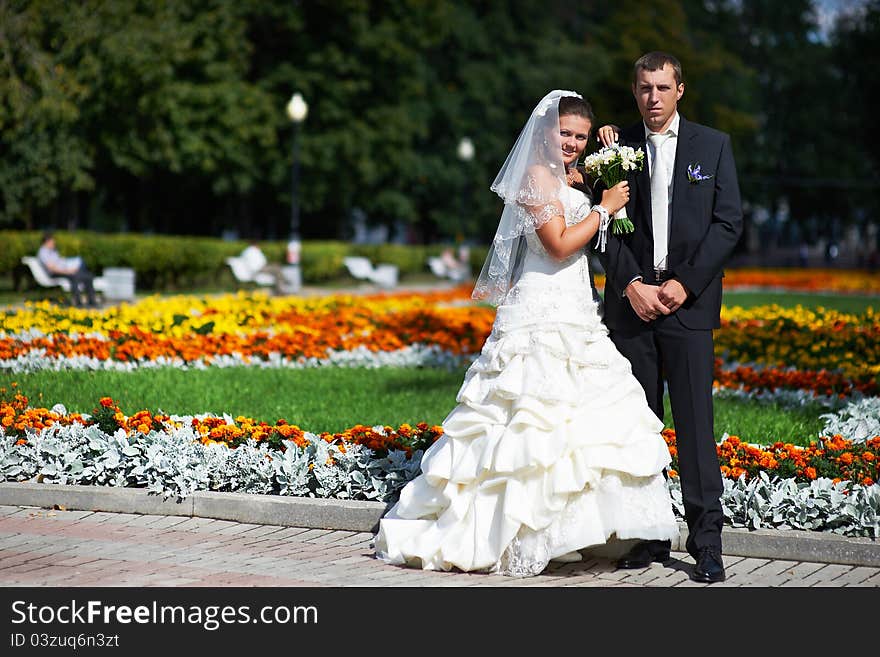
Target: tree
<point>855,52</point>
<point>45,155</point>
<point>140,100</point>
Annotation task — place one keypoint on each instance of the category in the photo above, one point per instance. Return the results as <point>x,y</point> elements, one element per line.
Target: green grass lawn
<point>854,303</point>
<point>333,399</point>
<point>326,399</point>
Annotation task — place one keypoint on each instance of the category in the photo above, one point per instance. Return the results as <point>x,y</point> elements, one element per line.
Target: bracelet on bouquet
<point>604,222</point>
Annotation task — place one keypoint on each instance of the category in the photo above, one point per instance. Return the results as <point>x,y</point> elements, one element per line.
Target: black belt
<point>659,276</point>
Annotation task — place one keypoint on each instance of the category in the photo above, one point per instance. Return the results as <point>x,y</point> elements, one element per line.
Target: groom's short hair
<point>656,60</point>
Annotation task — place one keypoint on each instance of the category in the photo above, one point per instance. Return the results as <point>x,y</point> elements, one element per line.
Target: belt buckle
<point>660,274</point>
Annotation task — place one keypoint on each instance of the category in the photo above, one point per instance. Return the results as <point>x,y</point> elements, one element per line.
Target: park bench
<point>384,275</point>
<point>45,279</point>
<point>244,274</point>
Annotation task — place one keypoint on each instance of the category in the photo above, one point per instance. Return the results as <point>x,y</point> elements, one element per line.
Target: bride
<point>552,447</point>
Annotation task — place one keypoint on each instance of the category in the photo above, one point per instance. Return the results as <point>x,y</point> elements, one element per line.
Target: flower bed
<point>824,353</point>
<point>252,328</point>
<point>829,485</point>
<point>819,340</point>
<point>803,280</point>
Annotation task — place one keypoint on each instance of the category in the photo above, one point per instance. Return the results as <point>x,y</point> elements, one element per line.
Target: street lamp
<point>465,149</point>
<point>297,110</point>
<point>465,154</point>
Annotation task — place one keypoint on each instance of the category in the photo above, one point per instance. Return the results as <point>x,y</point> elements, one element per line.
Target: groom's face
<point>657,96</point>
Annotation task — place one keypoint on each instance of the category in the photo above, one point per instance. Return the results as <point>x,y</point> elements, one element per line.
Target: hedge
<point>170,262</point>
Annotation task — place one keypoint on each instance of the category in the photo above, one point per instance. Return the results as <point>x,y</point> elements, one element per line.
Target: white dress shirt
<point>669,147</point>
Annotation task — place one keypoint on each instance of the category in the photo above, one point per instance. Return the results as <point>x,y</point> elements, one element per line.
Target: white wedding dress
<point>552,446</point>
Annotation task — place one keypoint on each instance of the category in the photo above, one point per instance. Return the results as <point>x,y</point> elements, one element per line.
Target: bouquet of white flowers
<point>612,164</point>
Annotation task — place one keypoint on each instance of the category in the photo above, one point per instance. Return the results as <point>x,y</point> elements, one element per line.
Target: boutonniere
<point>694,174</point>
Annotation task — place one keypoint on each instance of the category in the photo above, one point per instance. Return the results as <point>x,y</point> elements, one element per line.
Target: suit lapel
<point>685,154</point>
<point>641,194</point>
<point>643,185</point>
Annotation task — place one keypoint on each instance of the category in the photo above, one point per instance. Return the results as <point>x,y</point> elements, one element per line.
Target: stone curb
<point>363,516</point>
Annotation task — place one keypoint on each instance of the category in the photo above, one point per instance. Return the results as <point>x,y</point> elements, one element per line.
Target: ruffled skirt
<point>551,448</point>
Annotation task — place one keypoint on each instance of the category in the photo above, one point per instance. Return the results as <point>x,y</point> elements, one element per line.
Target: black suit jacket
<point>705,225</point>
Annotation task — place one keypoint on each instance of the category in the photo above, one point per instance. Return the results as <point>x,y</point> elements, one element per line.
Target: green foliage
<point>168,117</point>
<point>180,262</point>
<point>95,93</point>
<point>322,261</point>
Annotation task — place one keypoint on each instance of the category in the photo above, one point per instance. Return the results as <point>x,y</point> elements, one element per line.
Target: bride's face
<point>574,131</point>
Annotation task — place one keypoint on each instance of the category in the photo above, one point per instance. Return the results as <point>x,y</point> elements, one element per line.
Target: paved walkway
<point>44,548</point>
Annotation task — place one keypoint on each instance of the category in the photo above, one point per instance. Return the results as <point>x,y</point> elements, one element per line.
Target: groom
<point>663,291</point>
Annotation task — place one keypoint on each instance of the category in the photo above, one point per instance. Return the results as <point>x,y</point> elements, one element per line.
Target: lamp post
<point>465,154</point>
<point>466,149</point>
<point>297,110</point>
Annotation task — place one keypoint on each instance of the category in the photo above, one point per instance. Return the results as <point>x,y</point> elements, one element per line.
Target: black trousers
<point>81,282</point>
<point>665,349</point>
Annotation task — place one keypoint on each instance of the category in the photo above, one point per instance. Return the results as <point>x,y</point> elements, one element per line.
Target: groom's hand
<point>645,301</point>
<point>672,294</point>
<point>607,134</point>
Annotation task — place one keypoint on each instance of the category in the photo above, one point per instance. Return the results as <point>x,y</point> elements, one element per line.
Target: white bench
<point>384,275</point>
<point>45,279</point>
<point>117,283</point>
<point>243,273</point>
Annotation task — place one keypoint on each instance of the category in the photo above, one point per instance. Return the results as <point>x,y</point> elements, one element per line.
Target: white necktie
<point>659,200</point>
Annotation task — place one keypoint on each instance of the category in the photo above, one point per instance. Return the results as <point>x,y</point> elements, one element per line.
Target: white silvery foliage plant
<point>292,470</point>
<point>387,475</point>
<point>780,396</point>
<point>17,462</point>
<point>113,458</point>
<point>858,421</point>
<point>246,469</point>
<point>820,505</point>
<point>174,463</point>
<point>75,455</point>
<point>331,468</point>
<point>171,464</point>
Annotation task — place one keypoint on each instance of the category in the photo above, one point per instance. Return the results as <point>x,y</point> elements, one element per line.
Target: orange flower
<point>106,402</point>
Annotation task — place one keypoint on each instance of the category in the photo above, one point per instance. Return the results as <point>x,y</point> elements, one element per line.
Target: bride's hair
<point>572,105</point>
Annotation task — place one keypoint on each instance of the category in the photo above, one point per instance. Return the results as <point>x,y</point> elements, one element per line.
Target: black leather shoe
<point>709,567</point>
<point>643,554</point>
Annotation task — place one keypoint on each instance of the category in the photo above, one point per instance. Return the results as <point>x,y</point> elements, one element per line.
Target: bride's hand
<point>615,198</point>
<point>574,177</point>
<point>607,134</point>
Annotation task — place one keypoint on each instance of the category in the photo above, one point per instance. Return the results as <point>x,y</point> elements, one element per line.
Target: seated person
<point>456,269</point>
<point>73,269</point>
